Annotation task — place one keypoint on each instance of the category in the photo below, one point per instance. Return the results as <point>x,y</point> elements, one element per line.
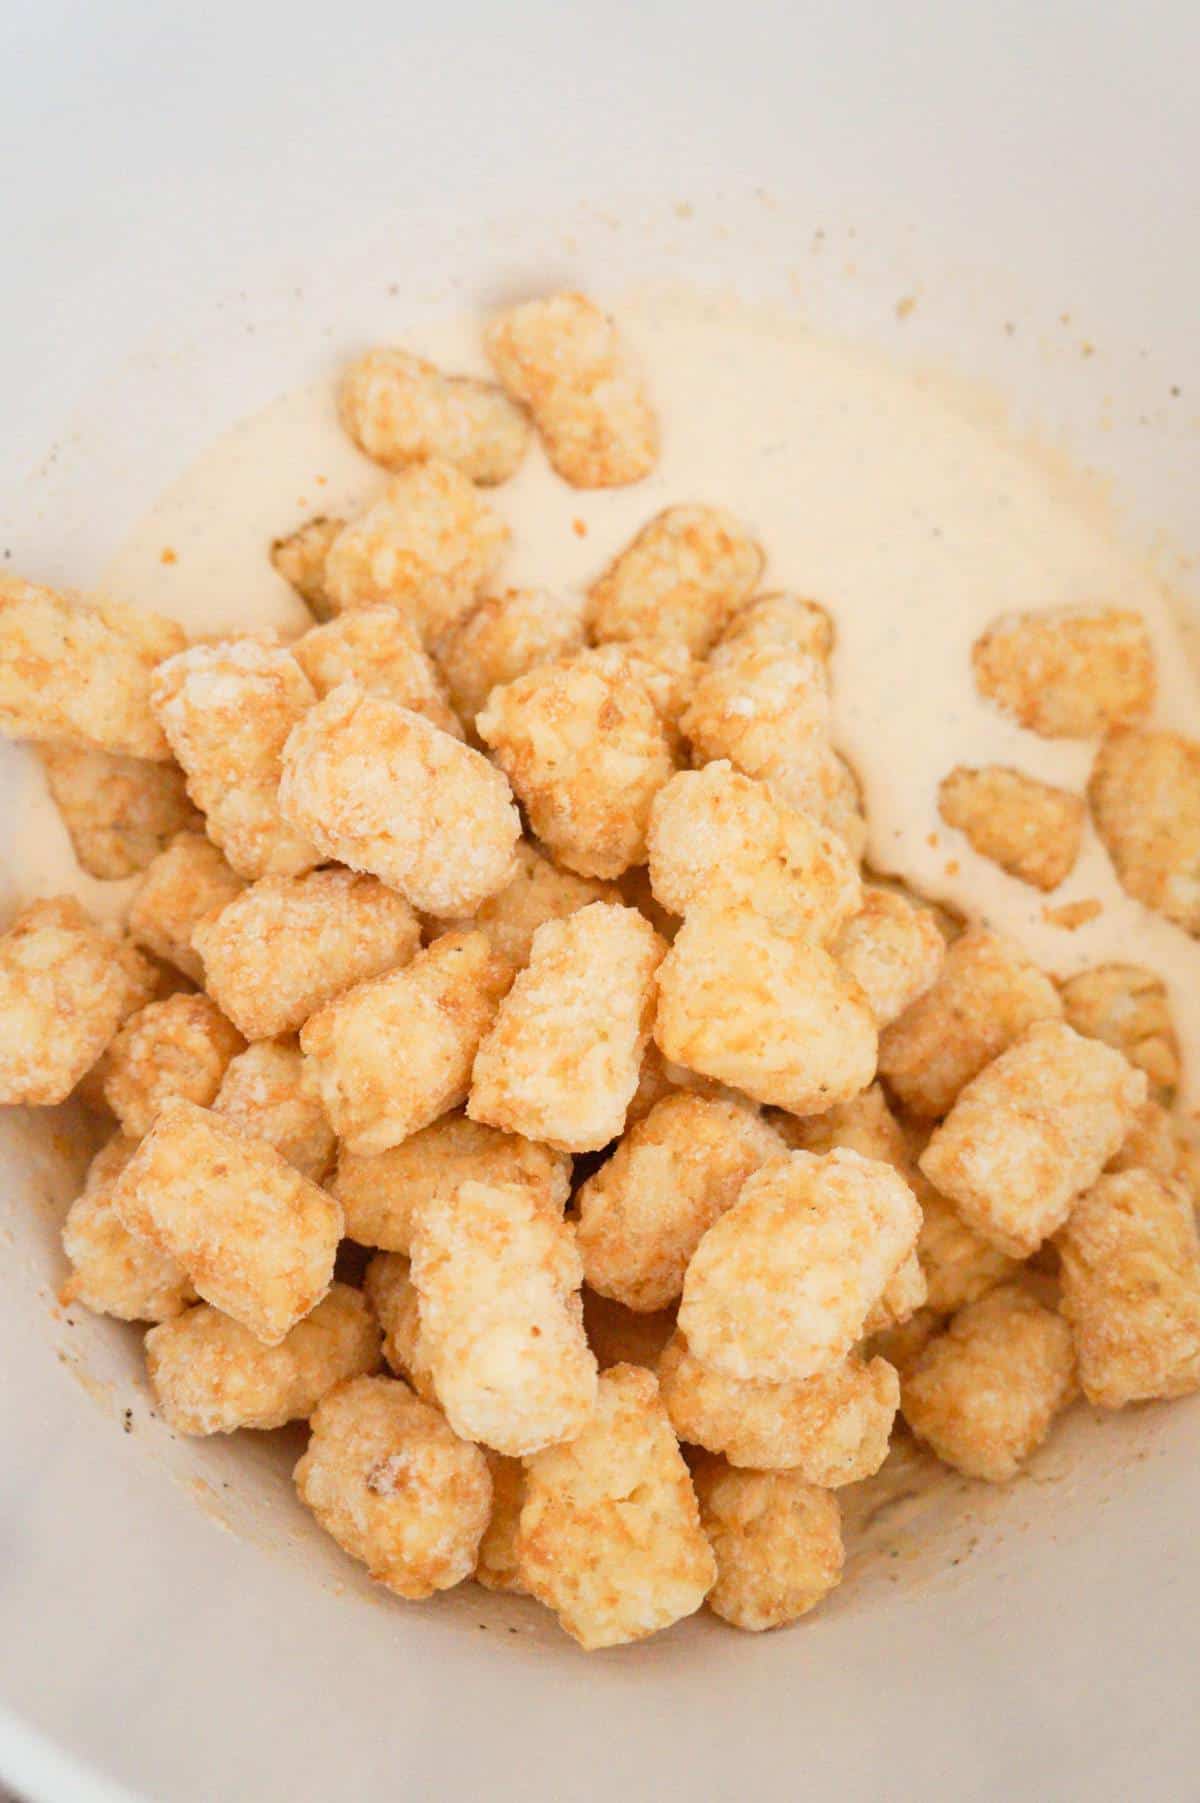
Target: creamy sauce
<point>910,515</point>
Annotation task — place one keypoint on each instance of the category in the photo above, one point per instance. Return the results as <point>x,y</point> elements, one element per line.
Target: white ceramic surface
<point>199,211</point>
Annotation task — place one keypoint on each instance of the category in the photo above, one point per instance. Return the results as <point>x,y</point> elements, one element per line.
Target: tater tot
<point>300,560</point>
<point>178,1047</point>
<point>540,891</point>
<point>383,791</point>
<point>210,1375</point>
<point>227,710</point>
<point>901,1346</point>
<point>1131,1289</point>
<point>395,1486</point>
<point>619,1336</point>
<point>1070,672</point>
<point>1031,829</point>
<point>393,1054</point>
<point>288,945</point>
<point>985,1394</point>
<point>1031,1132</point>
<point>777,1542</point>
<point>256,1239</point>
<point>1127,1007</point>
<point>184,883</point>
<point>496,1566</point>
<point>682,577</point>
<point>644,1212</point>
<point>399,409</point>
<point>561,1062</point>
<point>663,667</point>
<point>1145,797</point>
<point>782,621</point>
<point>389,1288</point>
<point>502,637</point>
<point>893,950</point>
<point>112,1271</point>
<point>767,710</point>
<point>377,648</point>
<point>263,1093</point>
<point>563,359</point>
<point>960,1265</point>
<point>80,673</point>
<point>610,1535</point>
<point>119,812</point>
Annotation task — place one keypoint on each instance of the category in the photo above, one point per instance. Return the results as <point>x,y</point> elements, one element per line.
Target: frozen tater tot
<point>496,1566</point>
<point>893,950</point>
<point>427,545</point>
<point>562,357</point>
<point>1032,1132</point>
<point>777,1542</point>
<point>381,1195</point>
<point>119,812</point>
<point>610,1535</point>
<point>767,710</point>
<point>393,1054</point>
<point>682,577</point>
<point>539,892</point>
<point>781,1286</point>
<point>1127,1007</point>
<point>1166,1143</point>
<point>256,1238</point>
<point>901,1346</point>
<point>644,1212</point>
<point>1145,798</point>
<point>300,560</point>
<point>1032,829</point>
<point>382,790</point>
<point>765,1012</point>
<point>985,1394</point>
<point>986,995</point>
<point>784,622</point>
<point>502,637</point>
<point>210,1375</point>
<point>112,1271</point>
<point>395,1486</point>
<point>1069,672</point>
<point>378,648</point>
<point>263,1093</point>
<point>227,710</point>
<point>619,1336</point>
<point>80,673</point>
<point>666,670</point>
<point>586,752</point>
<point>960,1265</point>
<point>399,409</point>
<point>65,989</point>
<point>389,1288</point>
<point>903,1294</point>
<point>178,1047</point>
<point>286,946</point>
<point>184,883</point>
<point>1131,1289</point>
<point>498,1276</point>
<point>561,1062</point>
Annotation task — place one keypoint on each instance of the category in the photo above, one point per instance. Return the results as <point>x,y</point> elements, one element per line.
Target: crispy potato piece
<point>80,672</point>
<point>780,1287</point>
<point>377,648</point>
<point>901,1346</point>
<point>777,1542</point>
<point>119,812</point>
<point>178,1047</point>
<point>1031,829</point>
<point>782,621</point>
<point>1126,1006</point>
<point>385,792</point>
<point>665,669</point>
<point>960,1265</point>
<point>985,1394</point>
<point>389,1288</point>
<point>112,1271</point>
<point>563,359</point>
<point>210,1375</point>
<point>768,1013</point>
<point>1165,1143</point>
<point>681,578</point>
<point>300,560</point>
<point>644,1212</point>
<point>395,1486</point>
<point>618,1336</point>
<point>1131,1289</point>
<point>65,988</point>
<point>263,1093</point>
<point>1145,796</point>
<point>496,1566</point>
<point>766,709</point>
<point>1069,672</point>
<point>893,950</point>
<point>289,945</point>
<point>256,1238</point>
<point>539,892</point>
<point>184,883</point>
<point>502,637</point>
<point>610,1535</point>
<point>400,409</point>
<point>561,1062</point>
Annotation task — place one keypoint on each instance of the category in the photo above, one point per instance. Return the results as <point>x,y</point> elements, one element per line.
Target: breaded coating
<point>985,1394</point>
<point>300,560</point>
<point>539,892</point>
<point>427,545</point>
<point>383,791</point>
<point>1031,829</point>
<point>767,710</point>
<point>781,1286</point>
<point>263,1093</point>
<point>960,1265</point>
<point>1131,1289</point>
<point>388,1287</point>
<point>184,883</point>
<point>119,812</point>
<point>781,621</point>
<point>395,1486</point>
<point>681,578</point>
<point>210,1375</point>
<point>381,1195</point>
<point>79,672</point>
<point>502,637</point>
<point>903,1294</point>
<point>586,752</point>
<point>561,1062</point>
<point>391,1055</point>
<point>498,1277</point>
<point>987,994</point>
<point>1126,1006</point>
<point>832,1428</point>
<point>610,1535</point>
<point>666,670</point>
<point>1031,1133</point>
<point>1145,796</point>
<point>644,1212</point>
<point>227,711</point>
<point>178,1047</point>
<point>288,945</point>
<point>256,1238</point>
<point>65,988</point>
<point>563,359</point>
<point>767,1012</point>
<point>1165,1143</point>
<point>902,1346</point>
<point>618,1336</point>
<point>893,950</point>
<point>112,1271</point>
<point>496,1566</point>
<point>715,835</point>
<point>377,648</point>
<point>777,1542</point>
<point>1069,672</point>
<point>400,409</point>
